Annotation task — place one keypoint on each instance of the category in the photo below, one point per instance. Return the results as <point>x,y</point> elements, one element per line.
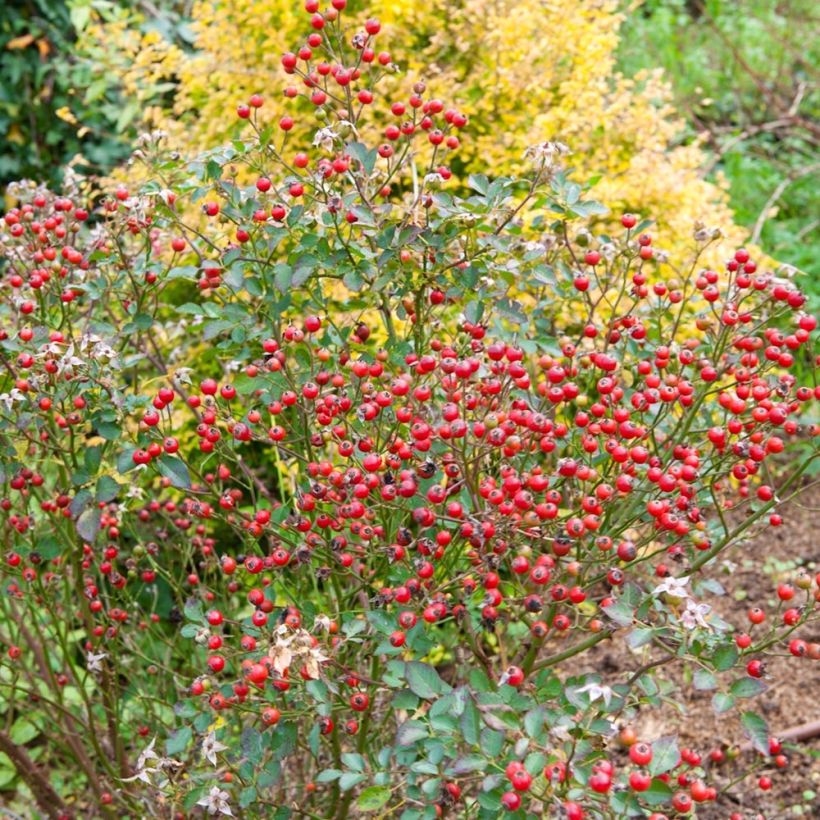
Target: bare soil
<point>793,695</point>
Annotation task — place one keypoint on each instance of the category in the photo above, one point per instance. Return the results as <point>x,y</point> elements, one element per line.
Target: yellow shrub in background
<point>524,71</point>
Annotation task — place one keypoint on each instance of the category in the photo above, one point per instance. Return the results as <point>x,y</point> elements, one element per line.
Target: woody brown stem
<point>47,799</point>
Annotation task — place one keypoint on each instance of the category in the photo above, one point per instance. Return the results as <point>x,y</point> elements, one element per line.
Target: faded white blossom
<point>68,363</point>
<point>216,802</point>
<point>547,156</point>
<point>144,771</point>
<point>295,646</point>
<point>597,691</point>
<point>12,396</point>
<point>94,662</point>
<point>695,615</point>
<point>183,375</point>
<point>210,747</point>
<point>676,587</point>
<point>324,137</point>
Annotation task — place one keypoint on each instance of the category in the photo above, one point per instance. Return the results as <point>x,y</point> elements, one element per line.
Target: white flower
<point>183,375</point>
<point>596,691</point>
<point>674,587</point>
<point>101,350</point>
<point>143,772</point>
<point>322,622</point>
<point>9,398</point>
<point>547,150</point>
<point>210,746</point>
<point>69,361</point>
<point>134,491</point>
<point>325,137</point>
<point>94,662</point>
<point>54,348</point>
<point>216,801</point>
<point>695,615</point>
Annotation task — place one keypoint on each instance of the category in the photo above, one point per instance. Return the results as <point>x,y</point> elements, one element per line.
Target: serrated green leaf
<point>107,488</point>
<point>704,680</point>
<point>409,732</point>
<point>88,524</point>
<point>178,741</point>
<point>373,798</point>
<point>657,793</point>
<point>722,702</point>
<point>423,680</point>
<point>756,730</point>
<point>665,755</point>
<point>620,612</point>
<point>747,687</point>
<point>175,470</point>
<point>725,657</point>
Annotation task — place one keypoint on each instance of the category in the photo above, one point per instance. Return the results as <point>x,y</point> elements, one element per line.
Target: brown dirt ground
<point>793,696</point>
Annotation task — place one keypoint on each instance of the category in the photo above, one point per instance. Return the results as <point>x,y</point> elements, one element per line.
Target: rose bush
<point>324,503</point>
<point>521,70</point>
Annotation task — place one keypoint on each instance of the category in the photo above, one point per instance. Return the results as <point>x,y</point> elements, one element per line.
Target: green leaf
<point>492,742</point>
<point>747,687</point>
<point>409,732</point>
<point>373,798</point>
<point>756,730</point>
<point>704,680</point>
<point>366,157</point>
<point>535,724</point>
<point>380,622</point>
<point>470,723</point>
<point>722,702</point>
<point>193,611</point>
<point>665,755</point>
<point>88,524</point>
<point>178,742</point>
<point>175,470</point>
<point>479,183</point>
<point>620,612</point>
<point>213,329</point>
<point>107,488</point>
<point>474,310</point>
<point>353,761</point>
<point>23,731</point>
<point>79,16</point>
<point>48,547</point>
<point>467,764</point>
<point>251,742</point>
<point>328,776</point>
<point>350,779</point>
<point>92,459</point>
<point>353,280</point>
<point>657,793</point>
<point>109,431</point>
<point>125,461</point>
<point>247,796</point>
<point>404,699</point>
<point>423,680</point>
<point>640,636</point>
<point>725,657</point>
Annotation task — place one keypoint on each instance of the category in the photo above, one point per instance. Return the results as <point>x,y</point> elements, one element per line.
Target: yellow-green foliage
<point>524,71</point>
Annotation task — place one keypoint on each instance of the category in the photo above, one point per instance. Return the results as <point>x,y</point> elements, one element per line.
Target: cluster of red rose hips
<point>477,480</point>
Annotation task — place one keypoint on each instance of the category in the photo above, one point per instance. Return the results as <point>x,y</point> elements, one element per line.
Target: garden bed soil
<point>793,694</point>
